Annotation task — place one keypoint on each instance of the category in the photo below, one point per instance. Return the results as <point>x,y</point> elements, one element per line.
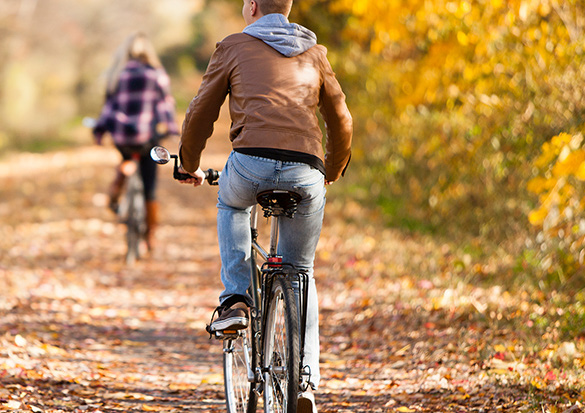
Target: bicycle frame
<point>278,291</point>
<point>133,213</point>
<point>272,264</point>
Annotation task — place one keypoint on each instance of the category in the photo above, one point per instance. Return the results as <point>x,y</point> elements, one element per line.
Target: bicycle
<point>132,209</point>
<point>265,359</point>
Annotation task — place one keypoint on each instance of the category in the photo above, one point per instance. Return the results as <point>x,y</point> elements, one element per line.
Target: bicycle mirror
<point>160,155</point>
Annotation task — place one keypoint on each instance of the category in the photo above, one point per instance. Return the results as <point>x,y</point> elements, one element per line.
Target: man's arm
<point>203,111</point>
<point>338,124</point>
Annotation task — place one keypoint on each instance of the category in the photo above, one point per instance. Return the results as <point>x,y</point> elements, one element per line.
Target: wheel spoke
<point>237,388</point>
<point>281,350</point>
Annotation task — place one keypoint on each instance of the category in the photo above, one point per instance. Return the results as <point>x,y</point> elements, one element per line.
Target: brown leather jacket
<point>273,103</point>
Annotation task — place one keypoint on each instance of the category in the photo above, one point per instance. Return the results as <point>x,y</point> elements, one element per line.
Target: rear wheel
<point>135,218</point>
<point>240,398</point>
<point>281,349</point>
<point>133,237</point>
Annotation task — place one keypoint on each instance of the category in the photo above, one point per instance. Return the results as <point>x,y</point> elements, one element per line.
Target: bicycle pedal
<point>226,334</point>
<point>222,334</point>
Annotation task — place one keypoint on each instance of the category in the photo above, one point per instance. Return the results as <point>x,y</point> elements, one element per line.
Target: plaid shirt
<point>141,101</point>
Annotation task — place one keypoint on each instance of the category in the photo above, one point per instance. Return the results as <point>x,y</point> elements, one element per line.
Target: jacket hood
<point>289,39</point>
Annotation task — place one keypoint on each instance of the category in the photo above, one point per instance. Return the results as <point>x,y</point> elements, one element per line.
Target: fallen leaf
<point>12,404</point>
<point>152,408</point>
<point>20,341</point>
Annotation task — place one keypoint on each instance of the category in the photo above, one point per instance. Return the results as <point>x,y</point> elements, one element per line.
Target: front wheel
<point>240,397</point>
<point>281,349</point>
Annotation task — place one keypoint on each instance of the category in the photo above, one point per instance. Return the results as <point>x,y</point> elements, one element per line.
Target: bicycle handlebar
<point>211,175</point>
<point>161,155</point>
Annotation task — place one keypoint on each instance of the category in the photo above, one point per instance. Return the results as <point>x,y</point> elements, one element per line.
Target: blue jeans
<point>245,176</point>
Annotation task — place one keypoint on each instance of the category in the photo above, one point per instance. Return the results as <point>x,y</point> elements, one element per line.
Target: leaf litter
<point>399,331</point>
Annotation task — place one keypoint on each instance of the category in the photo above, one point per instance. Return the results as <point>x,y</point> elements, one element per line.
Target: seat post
<point>273,235</point>
<point>254,218</point>
<point>277,203</point>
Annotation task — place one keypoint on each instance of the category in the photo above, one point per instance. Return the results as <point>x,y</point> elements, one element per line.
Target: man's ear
<point>253,8</point>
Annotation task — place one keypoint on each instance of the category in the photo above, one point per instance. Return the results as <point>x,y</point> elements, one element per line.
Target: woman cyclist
<point>138,111</point>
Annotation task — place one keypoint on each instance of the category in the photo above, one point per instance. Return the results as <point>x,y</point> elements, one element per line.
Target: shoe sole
<point>236,323</point>
<point>304,405</point>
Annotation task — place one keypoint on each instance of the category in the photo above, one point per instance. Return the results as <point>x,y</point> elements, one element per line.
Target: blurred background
<point>55,53</point>
<point>468,114</point>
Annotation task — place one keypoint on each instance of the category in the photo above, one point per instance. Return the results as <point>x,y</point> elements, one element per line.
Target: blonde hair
<point>134,47</point>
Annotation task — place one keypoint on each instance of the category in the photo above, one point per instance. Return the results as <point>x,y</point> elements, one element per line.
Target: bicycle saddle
<point>276,202</point>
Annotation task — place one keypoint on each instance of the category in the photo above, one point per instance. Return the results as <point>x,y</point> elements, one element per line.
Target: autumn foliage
<point>450,262</point>
<point>453,102</point>
<point>560,212</point>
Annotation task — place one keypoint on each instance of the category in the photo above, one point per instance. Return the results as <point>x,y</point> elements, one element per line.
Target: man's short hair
<point>275,6</point>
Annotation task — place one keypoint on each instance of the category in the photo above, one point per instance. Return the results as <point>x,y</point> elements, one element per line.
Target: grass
<point>70,135</point>
<point>40,145</point>
<point>398,215</point>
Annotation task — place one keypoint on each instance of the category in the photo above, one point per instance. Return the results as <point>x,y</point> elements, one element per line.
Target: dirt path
<point>80,332</point>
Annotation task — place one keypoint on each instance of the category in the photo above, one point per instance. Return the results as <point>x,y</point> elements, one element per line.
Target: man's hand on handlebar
<point>196,179</point>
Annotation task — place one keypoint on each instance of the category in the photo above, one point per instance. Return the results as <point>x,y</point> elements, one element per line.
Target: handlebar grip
<point>180,176</point>
<point>211,176</point>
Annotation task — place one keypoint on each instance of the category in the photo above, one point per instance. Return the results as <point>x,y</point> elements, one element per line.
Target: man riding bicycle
<point>276,76</point>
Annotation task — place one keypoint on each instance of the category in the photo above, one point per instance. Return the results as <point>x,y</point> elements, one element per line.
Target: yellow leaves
<point>544,8</point>
<point>153,408</point>
<point>538,383</point>
<point>562,169</point>
<point>569,162</point>
<point>463,395</point>
<point>404,409</point>
<point>537,216</point>
<point>462,38</point>
<point>377,46</point>
<point>213,379</point>
<point>359,7</point>
<point>459,9</point>
<point>500,348</point>
<point>539,184</point>
<point>561,140</point>
<point>580,174</point>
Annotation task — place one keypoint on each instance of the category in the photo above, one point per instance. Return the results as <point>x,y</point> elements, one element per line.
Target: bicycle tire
<point>133,244</point>
<point>239,392</point>
<point>135,219</point>
<point>281,349</point>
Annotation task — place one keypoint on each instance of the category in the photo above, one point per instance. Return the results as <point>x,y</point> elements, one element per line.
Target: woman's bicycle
<point>265,361</point>
<point>132,210</point>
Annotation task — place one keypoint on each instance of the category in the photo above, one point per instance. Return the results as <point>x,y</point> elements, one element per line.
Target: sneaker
<point>232,318</point>
<point>306,402</point>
